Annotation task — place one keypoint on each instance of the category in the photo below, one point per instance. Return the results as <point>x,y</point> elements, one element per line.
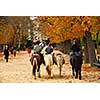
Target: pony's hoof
<point>51,77</point>
<point>73,74</point>
<point>76,77</point>
<point>39,76</point>
<point>80,78</point>
<point>33,78</point>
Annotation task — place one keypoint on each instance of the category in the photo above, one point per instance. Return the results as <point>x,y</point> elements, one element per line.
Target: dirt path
<point>18,70</point>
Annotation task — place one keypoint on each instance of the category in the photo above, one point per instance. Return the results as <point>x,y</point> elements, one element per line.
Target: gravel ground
<point>19,70</point>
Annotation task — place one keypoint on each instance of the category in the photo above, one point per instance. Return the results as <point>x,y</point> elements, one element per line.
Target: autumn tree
<point>6,31</point>
<point>62,28</point>
<point>21,26</point>
<point>14,29</point>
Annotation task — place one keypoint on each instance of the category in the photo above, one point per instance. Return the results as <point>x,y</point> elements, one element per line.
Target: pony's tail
<point>34,66</point>
<point>34,61</point>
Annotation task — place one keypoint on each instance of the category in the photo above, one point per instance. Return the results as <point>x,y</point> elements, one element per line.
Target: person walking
<point>6,53</point>
<point>14,51</point>
<point>11,50</point>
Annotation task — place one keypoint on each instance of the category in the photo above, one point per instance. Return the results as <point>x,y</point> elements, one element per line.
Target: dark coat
<point>49,50</point>
<point>75,48</point>
<point>6,53</point>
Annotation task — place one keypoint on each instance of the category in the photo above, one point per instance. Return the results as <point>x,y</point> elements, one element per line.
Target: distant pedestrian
<point>6,53</point>
<point>62,50</point>
<point>11,50</point>
<point>14,51</point>
<point>29,51</point>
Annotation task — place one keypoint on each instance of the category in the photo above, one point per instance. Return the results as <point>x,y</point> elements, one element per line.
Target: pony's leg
<point>43,61</point>
<point>29,54</point>
<point>73,69</point>
<point>38,71</point>
<point>51,73</point>
<point>7,60</point>
<point>76,74</point>
<point>34,71</point>
<point>60,67</point>
<point>73,66</point>
<point>34,67</point>
<point>48,70</point>
<point>80,77</point>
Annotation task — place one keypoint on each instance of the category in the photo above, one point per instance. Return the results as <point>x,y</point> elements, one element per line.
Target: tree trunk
<point>97,43</point>
<point>64,46</point>
<point>90,48</point>
<point>67,46</point>
<point>86,54</point>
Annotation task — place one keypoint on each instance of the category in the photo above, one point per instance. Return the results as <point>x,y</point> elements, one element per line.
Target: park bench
<point>98,63</point>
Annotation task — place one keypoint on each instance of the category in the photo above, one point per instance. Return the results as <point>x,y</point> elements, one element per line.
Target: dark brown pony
<point>36,61</point>
<point>76,62</point>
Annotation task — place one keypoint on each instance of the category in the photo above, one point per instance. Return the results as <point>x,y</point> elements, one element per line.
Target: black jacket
<point>6,52</point>
<point>75,48</point>
<point>49,50</point>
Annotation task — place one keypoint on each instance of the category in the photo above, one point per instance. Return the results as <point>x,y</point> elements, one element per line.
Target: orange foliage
<point>61,28</point>
<point>7,34</point>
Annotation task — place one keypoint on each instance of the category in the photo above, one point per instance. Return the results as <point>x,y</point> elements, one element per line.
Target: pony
<point>76,62</point>
<point>59,61</point>
<point>36,61</point>
<point>48,63</point>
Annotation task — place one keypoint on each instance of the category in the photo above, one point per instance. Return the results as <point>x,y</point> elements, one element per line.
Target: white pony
<point>59,60</point>
<point>48,63</point>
